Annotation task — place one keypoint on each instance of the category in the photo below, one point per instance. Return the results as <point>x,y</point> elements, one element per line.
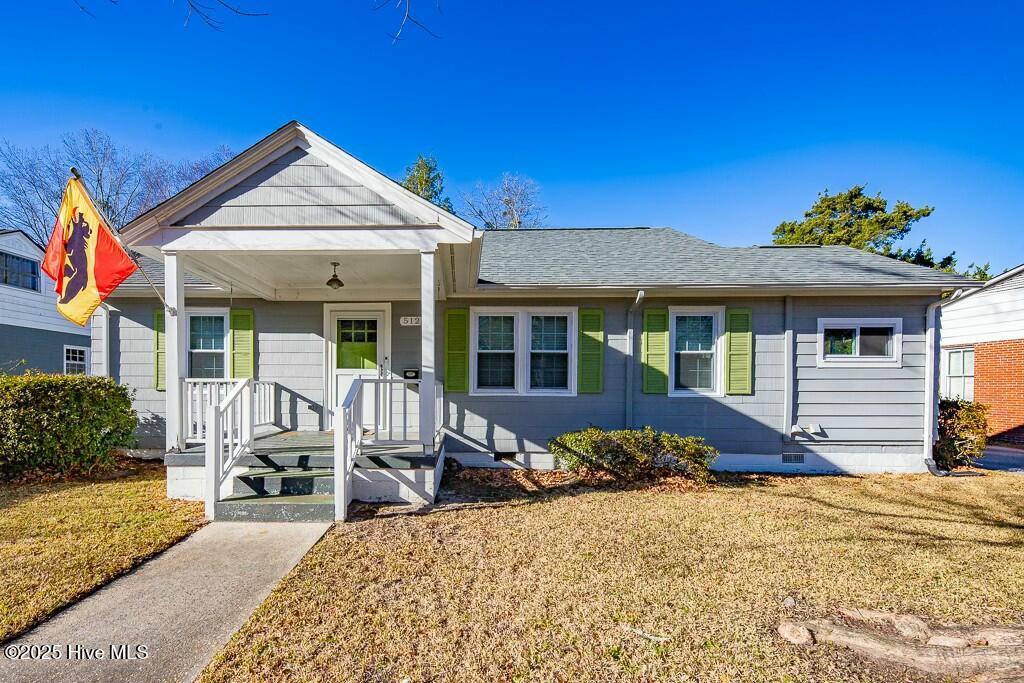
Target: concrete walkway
<point>1002,459</point>
<point>181,607</point>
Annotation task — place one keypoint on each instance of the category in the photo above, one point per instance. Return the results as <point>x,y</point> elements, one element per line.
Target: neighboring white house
<point>33,335</point>
<point>983,351</point>
<point>379,334</point>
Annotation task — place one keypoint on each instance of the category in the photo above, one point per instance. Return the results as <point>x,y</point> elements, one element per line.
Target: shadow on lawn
<point>926,518</point>
<point>467,489</point>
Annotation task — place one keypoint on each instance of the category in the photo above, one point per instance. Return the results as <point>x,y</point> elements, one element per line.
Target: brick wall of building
<point>999,384</point>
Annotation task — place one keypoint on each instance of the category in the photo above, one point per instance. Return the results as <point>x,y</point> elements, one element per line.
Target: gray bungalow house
<point>330,336</point>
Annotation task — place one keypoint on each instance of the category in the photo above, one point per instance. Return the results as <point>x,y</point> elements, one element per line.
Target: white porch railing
<point>375,411</point>
<point>348,436</point>
<point>233,417</point>
<point>198,394</point>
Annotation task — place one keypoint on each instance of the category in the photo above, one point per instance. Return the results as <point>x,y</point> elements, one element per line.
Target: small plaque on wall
<point>409,321</point>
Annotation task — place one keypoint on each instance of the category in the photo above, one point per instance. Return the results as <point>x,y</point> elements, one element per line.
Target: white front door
<point>359,347</point>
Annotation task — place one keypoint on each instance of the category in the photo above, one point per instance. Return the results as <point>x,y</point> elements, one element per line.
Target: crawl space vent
<point>792,458</point>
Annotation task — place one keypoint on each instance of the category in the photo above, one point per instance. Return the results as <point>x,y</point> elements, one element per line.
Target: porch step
<point>275,508</point>
<point>286,481</point>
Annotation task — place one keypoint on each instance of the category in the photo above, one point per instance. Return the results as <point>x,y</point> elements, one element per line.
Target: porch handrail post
<point>248,414</point>
<point>214,456</point>
<point>427,350</point>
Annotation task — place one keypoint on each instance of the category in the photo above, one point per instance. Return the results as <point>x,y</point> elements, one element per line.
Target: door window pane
<point>840,341</point>
<point>876,341</point>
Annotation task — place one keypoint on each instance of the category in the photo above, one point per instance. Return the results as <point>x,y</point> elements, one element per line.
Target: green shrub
<point>962,433</point>
<point>57,422</point>
<point>633,453</point>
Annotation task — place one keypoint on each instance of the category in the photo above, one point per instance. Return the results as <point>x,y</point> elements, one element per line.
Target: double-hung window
<point>207,344</point>
<point>18,271</point>
<point>523,351</point>
<point>864,342</point>
<point>696,365</point>
<point>959,374</point>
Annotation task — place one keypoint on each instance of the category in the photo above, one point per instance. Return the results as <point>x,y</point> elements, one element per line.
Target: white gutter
<point>630,314</point>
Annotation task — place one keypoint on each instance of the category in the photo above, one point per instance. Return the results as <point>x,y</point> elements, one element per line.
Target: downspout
<point>787,408</point>
<point>630,317</point>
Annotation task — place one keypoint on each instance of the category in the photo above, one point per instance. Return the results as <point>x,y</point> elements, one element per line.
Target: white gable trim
<point>284,140</point>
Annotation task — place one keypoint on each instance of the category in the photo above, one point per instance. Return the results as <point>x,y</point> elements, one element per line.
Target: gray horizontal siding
<point>855,404</point>
<point>294,190</point>
<point>733,424</point>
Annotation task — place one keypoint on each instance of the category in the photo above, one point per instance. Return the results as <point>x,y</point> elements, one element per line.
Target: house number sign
<point>409,321</point>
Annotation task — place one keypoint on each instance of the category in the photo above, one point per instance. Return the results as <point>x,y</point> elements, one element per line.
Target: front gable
<point>299,189</point>
<point>294,178</point>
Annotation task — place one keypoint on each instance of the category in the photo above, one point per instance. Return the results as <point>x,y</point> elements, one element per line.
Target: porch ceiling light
<point>335,282</point>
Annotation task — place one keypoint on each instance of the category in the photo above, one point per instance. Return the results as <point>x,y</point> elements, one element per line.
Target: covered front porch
<point>348,385</point>
<point>300,288</point>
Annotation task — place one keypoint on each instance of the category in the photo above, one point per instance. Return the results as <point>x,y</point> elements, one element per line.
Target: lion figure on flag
<point>76,268</point>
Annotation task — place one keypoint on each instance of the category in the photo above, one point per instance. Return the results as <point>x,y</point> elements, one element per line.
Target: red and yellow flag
<point>83,257</point>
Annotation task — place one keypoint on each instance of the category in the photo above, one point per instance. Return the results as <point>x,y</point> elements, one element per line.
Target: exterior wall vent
<point>792,458</point>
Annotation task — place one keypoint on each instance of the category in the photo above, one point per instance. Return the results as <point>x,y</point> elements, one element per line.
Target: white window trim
<point>947,375</point>
<point>226,314</point>
<point>718,316</point>
<point>522,348</point>
<point>38,289</point>
<point>88,359</point>
<point>896,361</point>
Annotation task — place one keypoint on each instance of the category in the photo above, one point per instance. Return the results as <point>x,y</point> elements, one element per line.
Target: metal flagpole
<point>110,227</point>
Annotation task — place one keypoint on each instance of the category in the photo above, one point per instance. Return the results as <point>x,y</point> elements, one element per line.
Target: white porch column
<point>427,419</point>
<point>174,335</point>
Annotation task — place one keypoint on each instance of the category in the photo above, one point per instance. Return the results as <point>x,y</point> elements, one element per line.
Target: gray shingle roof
<point>666,257</point>
<point>155,270</point>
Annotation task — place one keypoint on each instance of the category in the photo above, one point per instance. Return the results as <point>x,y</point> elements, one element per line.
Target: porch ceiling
<point>303,276</point>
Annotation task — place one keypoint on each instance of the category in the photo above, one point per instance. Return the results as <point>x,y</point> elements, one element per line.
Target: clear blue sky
<point>720,119</point>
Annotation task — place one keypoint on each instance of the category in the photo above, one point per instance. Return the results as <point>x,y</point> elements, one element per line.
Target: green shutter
<point>243,343</point>
<point>159,350</point>
<point>591,352</point>
<point>456,350</point>
<point>654,351</point>
<point>739,351</point>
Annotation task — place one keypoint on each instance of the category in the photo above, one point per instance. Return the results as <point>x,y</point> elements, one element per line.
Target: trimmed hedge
<point>963,429</point>
<point>634,453</point>
<point>61,423</point>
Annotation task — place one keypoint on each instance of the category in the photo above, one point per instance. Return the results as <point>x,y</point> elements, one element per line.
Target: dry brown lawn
<point>644,585</point>
<point>61,540</point>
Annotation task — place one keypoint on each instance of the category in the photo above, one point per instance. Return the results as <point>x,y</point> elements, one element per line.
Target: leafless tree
<point>511,204</point>
<point>122,182</point>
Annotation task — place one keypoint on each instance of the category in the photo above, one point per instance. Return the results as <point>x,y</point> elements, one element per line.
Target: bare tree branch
<point>122,182</point>
<point>512,204</point>
<point>407,18</point>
